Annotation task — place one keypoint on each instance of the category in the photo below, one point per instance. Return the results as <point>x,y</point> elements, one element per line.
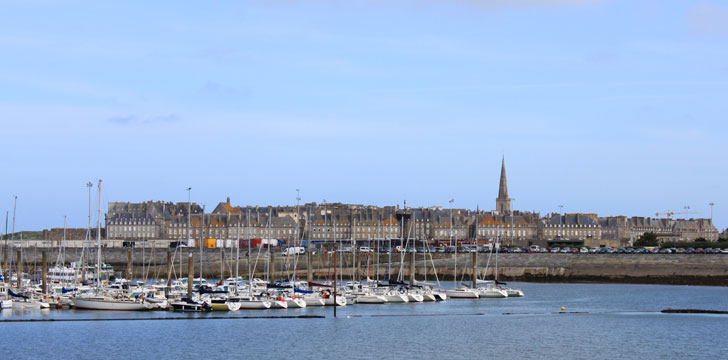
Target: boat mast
<point>250,271</point>
<point>202,226</point>
<point>98,242</point>
<point>237,255</point>
<point>267,270</point>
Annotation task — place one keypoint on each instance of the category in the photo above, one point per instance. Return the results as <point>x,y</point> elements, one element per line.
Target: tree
<point>647,239</point>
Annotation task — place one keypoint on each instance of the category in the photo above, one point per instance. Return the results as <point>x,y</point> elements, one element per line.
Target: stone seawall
<point>694,269</point>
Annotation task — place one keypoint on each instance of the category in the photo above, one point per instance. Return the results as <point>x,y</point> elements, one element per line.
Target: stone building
<point>573,229</point>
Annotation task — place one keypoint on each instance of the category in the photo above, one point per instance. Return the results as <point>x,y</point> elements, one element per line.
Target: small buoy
<point>562,308</point>
<point>347,316</point>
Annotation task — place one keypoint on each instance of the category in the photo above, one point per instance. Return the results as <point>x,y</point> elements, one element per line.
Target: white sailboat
<point>100,301</point>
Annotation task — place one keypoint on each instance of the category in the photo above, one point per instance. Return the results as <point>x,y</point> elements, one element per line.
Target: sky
<point>607,107</point>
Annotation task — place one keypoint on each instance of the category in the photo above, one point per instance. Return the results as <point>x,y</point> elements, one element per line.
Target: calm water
<point>621,321</point>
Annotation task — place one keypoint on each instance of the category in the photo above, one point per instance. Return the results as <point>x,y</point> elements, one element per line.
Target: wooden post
<point>190,275</point>
<point>44,266</point>
<point>222,264</point>
<point>129,271</point>
<point>334,280</point>
<point>475,267</point>
<point>19,270</point>
<point>309,267</point>
<point>412,268</point>
<point>6,271</point>
<point>357,266</point>
<point>169,271</point>
<point>83,265</point>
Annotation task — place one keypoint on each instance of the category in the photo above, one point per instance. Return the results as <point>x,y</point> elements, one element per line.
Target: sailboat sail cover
<point>11,293</point>
<point>295,289</point>
<point>311,283</point>
<point>64,290</point>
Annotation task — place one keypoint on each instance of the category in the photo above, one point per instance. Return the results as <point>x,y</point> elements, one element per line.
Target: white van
<point>294,250</point>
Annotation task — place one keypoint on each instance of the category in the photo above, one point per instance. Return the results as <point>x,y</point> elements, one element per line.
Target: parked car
<point>365,249</point>
<point>555,249</point>
<point>584,250</point>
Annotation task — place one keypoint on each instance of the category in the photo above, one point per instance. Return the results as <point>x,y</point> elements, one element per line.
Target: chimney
<point>228,200</point>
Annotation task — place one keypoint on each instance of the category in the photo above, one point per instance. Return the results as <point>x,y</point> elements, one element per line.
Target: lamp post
<point>15,201</point>
<point>189,214</point>
<point>561,219</point>
<point>451,205</point>
<point>512,229</point>
<point>711,217</point>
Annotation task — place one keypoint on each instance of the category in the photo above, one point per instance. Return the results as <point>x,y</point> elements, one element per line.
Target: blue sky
<point>612,107</point>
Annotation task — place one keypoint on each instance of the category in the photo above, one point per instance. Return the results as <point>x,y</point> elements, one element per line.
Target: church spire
<point>503,188</point>
<point>503,202</point>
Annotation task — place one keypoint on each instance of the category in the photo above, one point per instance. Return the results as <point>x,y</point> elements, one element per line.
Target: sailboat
<point>460,292</point>
<point>100,300</point>
<point>490,290</point>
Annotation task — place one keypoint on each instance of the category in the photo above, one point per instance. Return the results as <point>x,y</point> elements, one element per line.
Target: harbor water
<point>598,321</point>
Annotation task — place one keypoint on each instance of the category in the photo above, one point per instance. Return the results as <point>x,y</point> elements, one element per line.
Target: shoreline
<point>660,269</point>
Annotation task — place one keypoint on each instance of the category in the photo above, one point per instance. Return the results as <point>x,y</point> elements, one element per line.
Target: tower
<point>503,202</point>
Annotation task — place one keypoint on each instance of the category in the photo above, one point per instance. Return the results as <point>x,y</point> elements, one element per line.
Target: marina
<point>625,319</point>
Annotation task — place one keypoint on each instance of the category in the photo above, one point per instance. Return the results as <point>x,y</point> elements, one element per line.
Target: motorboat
<point>189,305</point>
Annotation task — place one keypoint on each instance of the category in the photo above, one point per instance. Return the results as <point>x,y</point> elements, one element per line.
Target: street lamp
<point>451,202</point>
<point>512,230</point>
<point>12,235</point>
<point>189,214</point>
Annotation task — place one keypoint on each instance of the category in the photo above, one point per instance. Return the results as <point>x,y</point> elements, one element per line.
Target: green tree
<point>647,239</point>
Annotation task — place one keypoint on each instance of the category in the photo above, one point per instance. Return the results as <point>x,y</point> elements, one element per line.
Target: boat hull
<point>397,298</point>
<point>492,294</point>
<point>415,297</point>
<point>6,304</point>
<point>428,297</point>
<point>340,301</point>
<point>314,301</point>
<point>255,305</point>
<point>371,299</point>
<point>462,294</point>
<point>103,304</point>
<point>279,304</point>
<point>295,303</point>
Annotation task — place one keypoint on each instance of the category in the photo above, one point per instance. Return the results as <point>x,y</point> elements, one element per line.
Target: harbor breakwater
<point>676,269</point>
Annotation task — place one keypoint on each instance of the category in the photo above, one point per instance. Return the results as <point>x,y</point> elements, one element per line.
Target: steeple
<point>503,202</point>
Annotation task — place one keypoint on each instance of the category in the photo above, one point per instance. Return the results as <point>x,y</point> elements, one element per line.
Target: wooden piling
<point>6,270</point>
<point>222,264</point>
<point>129,271</point>
<point>473,274</point>
<point>412,268</point>
<point>44,267</point>
<point>309,267</point>
<point>190,275</point>
<point>19,266</point>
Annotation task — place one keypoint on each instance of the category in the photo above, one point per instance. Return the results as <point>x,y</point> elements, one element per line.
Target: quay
<point>670,269</point>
